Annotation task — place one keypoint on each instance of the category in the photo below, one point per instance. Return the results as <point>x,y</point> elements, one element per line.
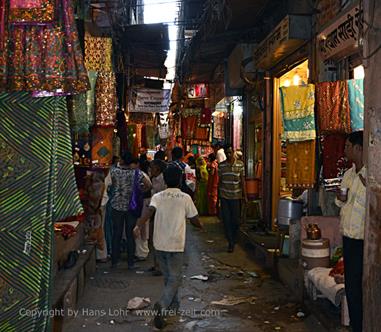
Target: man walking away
<point>232,190</point>
<point>351,199</point>
<point>171,207</point>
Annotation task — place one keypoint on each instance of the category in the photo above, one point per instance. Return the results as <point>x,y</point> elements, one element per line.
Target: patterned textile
<point>105,99</point>
<point>98,53</point>
<point>205,117</point>
<point>219,127</point>
<point>333,107</point>
<point>79,117</point>
<point>122,182</point>
<point>101,151</point>
<point>298,104</point>
<point>90,96</point>
<point>201,134</point>
<point>334,162</point>
<point>356,103</point>
<point>32,11</point>
<point>150,136</point>
<point>212,189</point>
<point>188,126</point>
<point>301,164</point>
<point>44,58</point>
<point>37,188</point>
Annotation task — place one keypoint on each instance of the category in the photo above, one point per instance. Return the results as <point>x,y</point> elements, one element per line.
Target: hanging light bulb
<point>296,79</point>
<point>287,83</point>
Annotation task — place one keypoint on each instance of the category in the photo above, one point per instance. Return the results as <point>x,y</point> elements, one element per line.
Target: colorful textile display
<point>219,127</point>
<point>37,188</point>
<point>98,53</point>
<point>301,164</point>
<point>82,149</point>
<point>150,136</point>
<point>101,150</point>
<point>44,58</point>
<point>212,188</point>
<point>32,11</point>
<point>333,107</point>
<point>79,117</point>
<point>356,103</point>
<point>188,126</point>
<point>201,134</point>
<point>105,100</point>
<point>298,104</point>
<point>201,196</point>
<point>205,119</point>
<point>334,162</point>
<point>90,96</point>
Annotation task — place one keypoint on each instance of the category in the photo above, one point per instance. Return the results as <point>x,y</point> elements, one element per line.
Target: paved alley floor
<point>262,304</point>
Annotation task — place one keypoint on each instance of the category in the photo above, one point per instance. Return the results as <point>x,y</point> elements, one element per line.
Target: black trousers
<point>119,220</point>
<point>231,215</point>
<point>353,252</point>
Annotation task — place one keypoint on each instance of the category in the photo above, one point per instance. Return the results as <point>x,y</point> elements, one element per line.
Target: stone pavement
<point>266,304</point>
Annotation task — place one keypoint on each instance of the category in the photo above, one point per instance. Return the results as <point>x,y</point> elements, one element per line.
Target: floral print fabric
<point>43,58</point>
<point>298,104</point>
<point>101,150</point>
<point>105,97</point>
<point>333,107</point>
<point>32,11</point>
<point>98,53</point>
<point>301,164</point>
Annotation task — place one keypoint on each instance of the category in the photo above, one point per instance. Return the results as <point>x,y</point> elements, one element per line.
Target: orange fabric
<point>101,151</point>
<point>301,164</point>
<point>333,107</point>
<point>212,188</point>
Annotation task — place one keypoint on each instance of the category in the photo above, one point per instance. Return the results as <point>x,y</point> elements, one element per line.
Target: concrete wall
<point>372,254</point>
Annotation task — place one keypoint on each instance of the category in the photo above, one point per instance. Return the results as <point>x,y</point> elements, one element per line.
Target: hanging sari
<point>300,171</point>
<point>356,103</point>
<point>212,188</point>
<point>32,11</point>
<point>333,107</point>
<point>105,97</point>
<point>298,114</point>
<point>44,58</point>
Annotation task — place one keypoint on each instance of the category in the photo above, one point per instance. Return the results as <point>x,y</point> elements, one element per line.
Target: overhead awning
<point>145,47</point>
<point>291,33</point>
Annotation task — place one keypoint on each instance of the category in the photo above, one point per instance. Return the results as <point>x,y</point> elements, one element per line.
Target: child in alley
<point>171,208</point>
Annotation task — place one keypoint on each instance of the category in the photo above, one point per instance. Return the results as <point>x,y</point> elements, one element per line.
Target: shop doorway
<point>296,76</point>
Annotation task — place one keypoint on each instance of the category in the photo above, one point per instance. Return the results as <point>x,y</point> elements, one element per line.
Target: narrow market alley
<point>262,304</point>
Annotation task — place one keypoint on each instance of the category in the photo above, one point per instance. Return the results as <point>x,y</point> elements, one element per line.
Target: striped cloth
<point>230,184</point>
<point>37,187</point>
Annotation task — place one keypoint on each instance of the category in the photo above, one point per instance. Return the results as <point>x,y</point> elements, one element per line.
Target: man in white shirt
<point>171,207</point>
<point>351,200</point>
<point>220,153</point>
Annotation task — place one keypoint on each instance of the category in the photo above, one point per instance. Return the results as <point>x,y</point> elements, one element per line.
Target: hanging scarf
<point>333,107</point>
<point>301,164</point>
<point>297,104</point>
<point>356,103</point>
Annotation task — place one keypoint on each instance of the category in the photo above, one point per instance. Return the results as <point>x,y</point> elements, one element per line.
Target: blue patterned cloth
<point>356,103</point>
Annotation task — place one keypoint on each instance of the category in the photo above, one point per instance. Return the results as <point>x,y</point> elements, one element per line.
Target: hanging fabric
<point>38,188</point>
<point>301,164</point>
<point>356,103</point>
<point>333,107</point>
<point>334,161</point>
<point>105,99</point>
<point>78,114</point>
<point>205,119</point>
<point>219,127</point>
<point>297,103</point>
<point>44,58</point>
<point>29,12</point>
<point>101,150</point>
<point>98,53</point>
<point>90,96</point>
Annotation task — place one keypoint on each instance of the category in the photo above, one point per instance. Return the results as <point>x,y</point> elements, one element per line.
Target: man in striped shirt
<point>231,188</point>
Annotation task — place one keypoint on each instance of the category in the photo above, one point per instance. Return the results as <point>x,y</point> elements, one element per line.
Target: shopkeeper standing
<point>351,200</point>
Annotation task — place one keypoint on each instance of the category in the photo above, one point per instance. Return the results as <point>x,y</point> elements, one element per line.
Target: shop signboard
<point>287,36</point>
<point>198,91</point>
<point>151,101</point>
<point>342,36</point>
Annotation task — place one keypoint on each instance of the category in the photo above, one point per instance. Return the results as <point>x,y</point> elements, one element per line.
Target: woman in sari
<point>202,182</point>
<point>212,188</point>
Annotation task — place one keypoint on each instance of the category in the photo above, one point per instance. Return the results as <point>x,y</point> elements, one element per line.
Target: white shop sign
<point>152,101</point>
